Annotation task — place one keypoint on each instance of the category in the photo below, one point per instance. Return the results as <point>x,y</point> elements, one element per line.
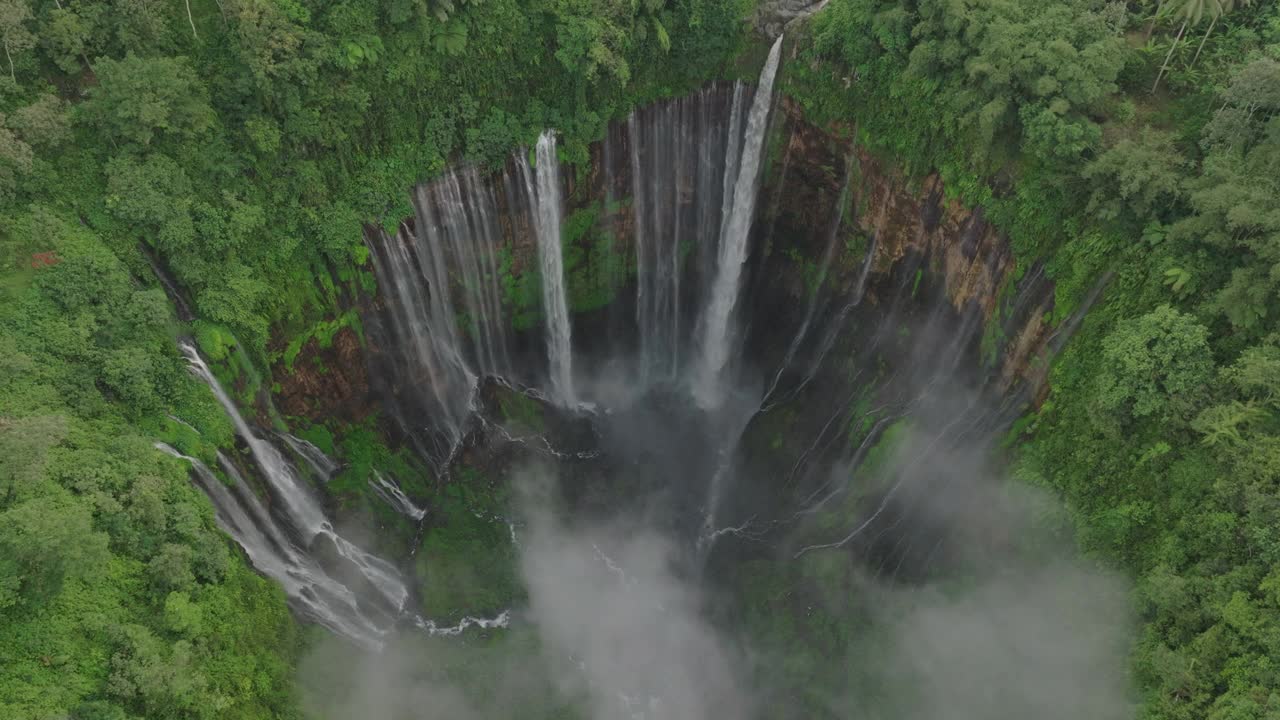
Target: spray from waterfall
<point>718,337</point>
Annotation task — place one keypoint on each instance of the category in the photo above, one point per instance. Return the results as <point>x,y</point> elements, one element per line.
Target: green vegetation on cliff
<point>1162,429</point>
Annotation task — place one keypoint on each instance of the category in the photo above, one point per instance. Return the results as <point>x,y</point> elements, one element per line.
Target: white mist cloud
<point>1019,626</point>
<point>616,631</point>
<point>1046,642</point>
<point>616,618</point>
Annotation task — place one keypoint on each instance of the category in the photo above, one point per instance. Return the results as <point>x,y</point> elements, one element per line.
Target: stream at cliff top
<point>783,411</point>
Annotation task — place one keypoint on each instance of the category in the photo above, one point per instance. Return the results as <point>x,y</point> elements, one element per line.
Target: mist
<point>1000,617</point>
<point>619,623</point>
<point>612,629</point>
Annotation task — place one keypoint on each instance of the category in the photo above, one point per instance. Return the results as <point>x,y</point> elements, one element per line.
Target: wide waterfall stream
<point>695,453</point>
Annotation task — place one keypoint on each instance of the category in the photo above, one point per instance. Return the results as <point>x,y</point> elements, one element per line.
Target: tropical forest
<point>640,359</point>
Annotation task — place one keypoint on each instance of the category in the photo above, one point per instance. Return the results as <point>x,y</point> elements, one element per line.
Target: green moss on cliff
<point>466,564</point>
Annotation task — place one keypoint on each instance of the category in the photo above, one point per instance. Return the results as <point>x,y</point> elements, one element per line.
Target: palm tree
<point>1226,7</point>
<point>1154,17</point>
<point>1191,12</point>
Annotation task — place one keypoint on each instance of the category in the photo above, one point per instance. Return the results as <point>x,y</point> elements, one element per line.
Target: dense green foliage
<point>119,597</point>
<point>1162,429</point>
<point>242,143</point>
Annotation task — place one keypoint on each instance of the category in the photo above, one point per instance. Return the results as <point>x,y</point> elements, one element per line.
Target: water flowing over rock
<point>391,493</point>
<point>690,169</point>
<point>681,153</point>
<point>301,506</point>
<point>777,325</point>
<point>309,588</point>
<point>323,465</point>
<point>717,334</point>
<point>302,510</point>
<point>544,187</point>
<point>815,292</point>
<point>454,234</point>
<point>447,320</point>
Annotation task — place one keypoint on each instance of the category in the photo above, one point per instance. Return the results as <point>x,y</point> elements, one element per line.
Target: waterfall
<point>677,153</point>
<point>428,364</point>
<point>691,165</point>
<point>465,230</point>
<point>450,250</point>
<point>543,186</point>
<point>729,178</point>
<point>309,588</point>
<point>717,335</point>
<point>323,465</point>
<point>828,339</point>
<point>645,303</point>
<point>392,495</point>
<point>301,508</point>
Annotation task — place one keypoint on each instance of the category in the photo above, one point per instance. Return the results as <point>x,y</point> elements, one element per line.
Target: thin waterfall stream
<point>548,210</point>
<point>717,333</point>
<point>316,595</point>
<point>301,508</point>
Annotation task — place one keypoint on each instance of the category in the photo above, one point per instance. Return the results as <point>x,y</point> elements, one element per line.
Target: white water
<point>312,591</point>
<point>502,620</point>
<point>461,230</point>
<point>451,251</point>
<point>430,363</point>
<point>392,495</point>
<point>718,337</point>
<point>301,507</point>
<point>544,188</point>
<point>666,140</point>
<point>183,423</point>
<point>322,464</point>
<point>678,154</point>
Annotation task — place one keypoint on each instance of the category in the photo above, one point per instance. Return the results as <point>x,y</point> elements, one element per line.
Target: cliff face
<point>842,247</point>
<point>326,382</point>
<point>824,196</point>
